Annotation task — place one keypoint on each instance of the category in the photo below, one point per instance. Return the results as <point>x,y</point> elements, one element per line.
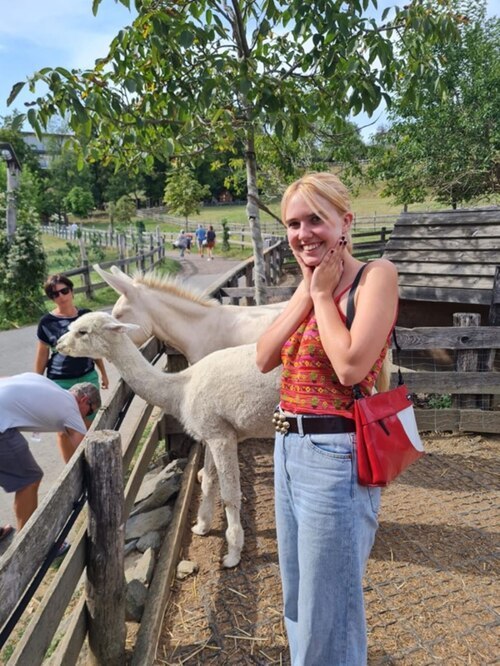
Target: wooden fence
<point>143,261</point>
<point>373,232</point>
<point>99,613</point>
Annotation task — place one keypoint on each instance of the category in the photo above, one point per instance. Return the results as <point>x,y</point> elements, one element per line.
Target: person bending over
<point>32,403</point>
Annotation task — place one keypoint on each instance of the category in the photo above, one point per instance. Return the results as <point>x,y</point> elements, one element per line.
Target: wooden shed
<point>446,262</point>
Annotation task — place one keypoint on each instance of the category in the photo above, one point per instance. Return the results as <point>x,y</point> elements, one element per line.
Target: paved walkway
<point>17,354</point>
<point>431,586</point>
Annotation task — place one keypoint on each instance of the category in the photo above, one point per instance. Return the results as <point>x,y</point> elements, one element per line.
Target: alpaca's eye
<point>82,333</point>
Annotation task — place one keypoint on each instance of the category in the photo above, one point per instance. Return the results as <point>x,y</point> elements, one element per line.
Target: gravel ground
<point>431,588</point>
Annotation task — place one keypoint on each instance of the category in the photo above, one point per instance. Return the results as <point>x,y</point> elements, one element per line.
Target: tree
<point>124,210</point>
<point>186,76</point>
<point>79,201</point>
<point>23,270</point>
<point>184,194</point>
<point>449,147</point>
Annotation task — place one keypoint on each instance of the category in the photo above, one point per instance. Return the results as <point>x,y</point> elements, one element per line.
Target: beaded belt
<point>312,425</point>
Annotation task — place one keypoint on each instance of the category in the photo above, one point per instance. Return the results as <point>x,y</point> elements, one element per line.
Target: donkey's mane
<point>172,285</point>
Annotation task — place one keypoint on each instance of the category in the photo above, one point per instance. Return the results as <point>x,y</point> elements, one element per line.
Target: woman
<point>325,521</point>
<point>63,370</point>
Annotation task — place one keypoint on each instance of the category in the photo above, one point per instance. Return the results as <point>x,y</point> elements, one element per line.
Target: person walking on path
<point>30,402</point>
<point>211,235</point>
<point>325,521</point>
<point>201,236</point>
<point>181,243</point>
<point>63,370</point>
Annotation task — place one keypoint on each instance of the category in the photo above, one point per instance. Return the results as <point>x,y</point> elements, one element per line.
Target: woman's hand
<point>328,273</point>
<point>104,381</point>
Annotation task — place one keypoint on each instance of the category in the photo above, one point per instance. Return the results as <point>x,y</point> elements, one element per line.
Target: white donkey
<point>213,400</point>
<point>191,323</point>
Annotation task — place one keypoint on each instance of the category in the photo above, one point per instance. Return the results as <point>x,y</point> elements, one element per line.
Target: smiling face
<point>313,228</point>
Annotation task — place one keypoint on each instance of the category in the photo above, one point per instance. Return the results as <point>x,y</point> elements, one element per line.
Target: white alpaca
<point>215,403</point>
<point>183,318</point>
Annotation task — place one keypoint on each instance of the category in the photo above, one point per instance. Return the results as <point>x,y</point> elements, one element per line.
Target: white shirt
<point>32,402</point>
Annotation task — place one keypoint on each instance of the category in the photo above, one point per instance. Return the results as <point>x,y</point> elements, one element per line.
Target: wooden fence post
<point>105,585</point>
<point>86,279</point>
<point>249,282</point>
<point>466,360</point>
<point>487,357</point>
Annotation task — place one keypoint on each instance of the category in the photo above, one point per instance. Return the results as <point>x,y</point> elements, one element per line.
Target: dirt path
<point>431,592</point>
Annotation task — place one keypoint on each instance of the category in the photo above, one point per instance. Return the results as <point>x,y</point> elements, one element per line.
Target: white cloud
<point>66,27</point>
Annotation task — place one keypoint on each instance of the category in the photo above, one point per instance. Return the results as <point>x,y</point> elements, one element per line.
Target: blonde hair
<point>316,188</point>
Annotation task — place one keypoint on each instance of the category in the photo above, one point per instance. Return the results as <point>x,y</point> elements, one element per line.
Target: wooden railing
<point>143,261</point>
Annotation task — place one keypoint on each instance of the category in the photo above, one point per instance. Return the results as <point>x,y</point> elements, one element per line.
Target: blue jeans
<point>326,524</point>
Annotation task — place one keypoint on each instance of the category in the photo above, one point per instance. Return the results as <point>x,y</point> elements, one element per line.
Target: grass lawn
<point>367,204</point>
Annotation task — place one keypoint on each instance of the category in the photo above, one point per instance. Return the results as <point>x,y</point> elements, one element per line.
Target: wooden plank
<point>439,295</point>
<point>26,554</point>
<point>404,252</point>
<point>430,269</point>
<point>141,466</point>
<point>471,216</point>
<point>68,650</point>
<point>446,281</point>
<point>424,232</point>
<point>448,337</point>
<point>149,630</point>
<point>37,637</point>
<point>450,382</point>
<point>244,292</point>
<point>439,420</point>
<point>133,434</point>
<point>479,420</point>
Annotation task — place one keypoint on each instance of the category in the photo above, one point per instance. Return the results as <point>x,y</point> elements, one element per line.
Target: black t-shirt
<point>50,329</point>
<point>210,236</point>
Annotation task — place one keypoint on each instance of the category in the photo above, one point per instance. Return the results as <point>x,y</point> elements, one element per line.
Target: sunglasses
<point>57,292</point>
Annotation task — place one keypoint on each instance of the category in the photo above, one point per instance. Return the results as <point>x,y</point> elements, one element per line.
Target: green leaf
<point>130,85</point>
<point>33,121</point>
<point>16,89</point>
<point>64,72</point>
<point>17,121</point>
<point>186,38</point>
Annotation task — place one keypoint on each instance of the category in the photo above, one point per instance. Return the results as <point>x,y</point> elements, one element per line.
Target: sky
<point>65,33</point>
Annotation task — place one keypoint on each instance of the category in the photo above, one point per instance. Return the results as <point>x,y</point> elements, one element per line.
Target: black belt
<point>313,425</point>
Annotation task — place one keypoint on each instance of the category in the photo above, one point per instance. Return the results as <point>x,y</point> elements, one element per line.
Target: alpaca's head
<point>95,334</point>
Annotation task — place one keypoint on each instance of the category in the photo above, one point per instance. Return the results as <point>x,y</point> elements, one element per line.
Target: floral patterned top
<point>309,384</point>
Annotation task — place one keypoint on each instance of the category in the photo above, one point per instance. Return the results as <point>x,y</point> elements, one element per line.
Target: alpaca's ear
<point>119,281</point>
<point>119,327</point>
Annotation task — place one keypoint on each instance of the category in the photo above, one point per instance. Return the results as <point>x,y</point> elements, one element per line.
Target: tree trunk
<point>254,220</point>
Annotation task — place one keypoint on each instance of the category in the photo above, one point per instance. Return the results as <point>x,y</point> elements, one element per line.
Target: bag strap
<point>350,312</point>
<point>351,308</point>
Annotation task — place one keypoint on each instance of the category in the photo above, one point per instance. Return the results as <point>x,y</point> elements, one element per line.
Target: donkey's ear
<point>119,281</point>
<point>117,271</point>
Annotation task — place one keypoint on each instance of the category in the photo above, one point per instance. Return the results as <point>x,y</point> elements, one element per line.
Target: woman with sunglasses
<point>63,370</point>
